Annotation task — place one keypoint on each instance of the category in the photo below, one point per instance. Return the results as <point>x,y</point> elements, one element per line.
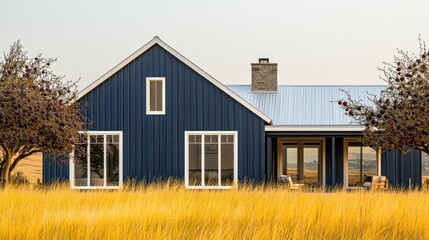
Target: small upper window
<point>155,95</point>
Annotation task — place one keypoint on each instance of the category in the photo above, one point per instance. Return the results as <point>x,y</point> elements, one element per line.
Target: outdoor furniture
<point>376,183</point>
<point>287,180</point>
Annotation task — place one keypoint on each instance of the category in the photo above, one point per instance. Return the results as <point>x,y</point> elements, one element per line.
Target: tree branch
<point>22,156</point>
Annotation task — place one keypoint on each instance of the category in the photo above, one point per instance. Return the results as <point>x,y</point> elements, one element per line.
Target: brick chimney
<point>264,76</point>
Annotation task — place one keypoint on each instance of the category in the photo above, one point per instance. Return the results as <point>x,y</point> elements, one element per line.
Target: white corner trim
<point>311,128</point>
<point>157,40</point>
<point>148,111</point>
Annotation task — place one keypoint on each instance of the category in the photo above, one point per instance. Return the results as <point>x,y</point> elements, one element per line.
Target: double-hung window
<point>211,160</point>
<point>155,95</point>
<point>97,161</point>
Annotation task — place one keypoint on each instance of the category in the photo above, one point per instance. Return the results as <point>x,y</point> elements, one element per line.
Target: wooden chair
<point>287,180</point>
<point>376,183</point>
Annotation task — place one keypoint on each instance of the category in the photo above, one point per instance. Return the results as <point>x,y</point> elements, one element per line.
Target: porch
<point>320,159</point>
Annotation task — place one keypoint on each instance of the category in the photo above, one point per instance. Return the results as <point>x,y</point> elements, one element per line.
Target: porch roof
<point>306,105</point>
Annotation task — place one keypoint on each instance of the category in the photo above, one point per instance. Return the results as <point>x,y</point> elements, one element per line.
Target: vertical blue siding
<point>153,145</point>
<point>338,178</point>
<point>400,168</point>
<point>328,162</point>
<point>52,171</point>
<point>339,160</point>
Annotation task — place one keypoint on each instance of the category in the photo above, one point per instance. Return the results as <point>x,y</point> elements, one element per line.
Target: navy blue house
<point>158,115</point>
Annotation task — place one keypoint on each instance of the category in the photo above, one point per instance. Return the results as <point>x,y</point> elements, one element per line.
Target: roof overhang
<point>157,40</point>
<point>314,128</point>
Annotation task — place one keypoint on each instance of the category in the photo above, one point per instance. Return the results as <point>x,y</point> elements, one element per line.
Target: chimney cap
<point>264,60</point>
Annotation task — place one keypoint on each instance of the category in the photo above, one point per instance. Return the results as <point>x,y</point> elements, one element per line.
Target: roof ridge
<point>157,40</point>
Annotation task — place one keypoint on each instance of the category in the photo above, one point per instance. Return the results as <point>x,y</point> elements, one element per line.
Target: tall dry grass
<point>165,211</point>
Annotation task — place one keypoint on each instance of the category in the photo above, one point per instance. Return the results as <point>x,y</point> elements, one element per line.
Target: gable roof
<point>157,40</point>
<point>307,105</point>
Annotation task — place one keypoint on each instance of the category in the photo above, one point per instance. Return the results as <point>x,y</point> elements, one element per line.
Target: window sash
<point>155,95</point>
<point>218,140</point>
<point>98,138</point>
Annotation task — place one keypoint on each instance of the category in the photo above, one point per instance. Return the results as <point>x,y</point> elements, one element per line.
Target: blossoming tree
<point>38,111</point>
<point>399,116</point>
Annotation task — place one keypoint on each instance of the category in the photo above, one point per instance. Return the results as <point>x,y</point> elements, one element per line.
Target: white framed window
<point>155,95</point>
<point>360,162</point>
<point>98,163</point>
<point>211,159</point>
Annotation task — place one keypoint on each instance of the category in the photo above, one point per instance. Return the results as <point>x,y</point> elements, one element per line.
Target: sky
<point>313,42</point>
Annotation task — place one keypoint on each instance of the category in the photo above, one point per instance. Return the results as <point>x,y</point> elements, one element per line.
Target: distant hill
<point>31,167</point>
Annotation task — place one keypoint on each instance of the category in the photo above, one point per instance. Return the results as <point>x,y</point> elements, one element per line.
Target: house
<point>158,115</point>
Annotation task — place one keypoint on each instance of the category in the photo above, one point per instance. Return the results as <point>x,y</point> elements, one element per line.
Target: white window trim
<point>71,168</point>
<point>235,161</point>
<point>148,111</point>
<point>346,162</point>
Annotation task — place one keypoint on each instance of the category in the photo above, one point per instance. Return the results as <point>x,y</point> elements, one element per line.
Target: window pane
<point>311,164</point>
<point>97,164</point>
<point>195,163</point>
<point>80,165</point>
<point>152,97</point>
<point>369,162</point>
<point>158,105</point>
<point>227,162</point>
<point>290,161</point>
<point>211,161</point>
<point>112,164</point>
<point>354,166</point>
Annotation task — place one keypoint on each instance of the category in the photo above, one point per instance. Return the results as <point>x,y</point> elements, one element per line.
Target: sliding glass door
<point>361,162</point>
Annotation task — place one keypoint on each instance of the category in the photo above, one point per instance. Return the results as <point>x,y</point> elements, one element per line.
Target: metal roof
<point>306,105</point>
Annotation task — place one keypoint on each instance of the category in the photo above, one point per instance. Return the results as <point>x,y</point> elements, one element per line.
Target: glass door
<point>362,162</point>
<point>301,160</point>
<point>311,163</point>
<point>290,161</point>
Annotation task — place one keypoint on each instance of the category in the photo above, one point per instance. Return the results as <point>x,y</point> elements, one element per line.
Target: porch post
<point>333,161</point>
<point>269,159</point>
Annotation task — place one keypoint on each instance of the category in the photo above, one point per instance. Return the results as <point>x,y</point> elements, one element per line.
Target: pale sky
<point>314,42</point>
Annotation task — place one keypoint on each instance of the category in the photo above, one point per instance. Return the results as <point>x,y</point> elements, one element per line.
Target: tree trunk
<point>4,174</point>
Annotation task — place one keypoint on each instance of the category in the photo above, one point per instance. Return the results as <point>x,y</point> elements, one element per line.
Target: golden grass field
<point>168,211</point>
